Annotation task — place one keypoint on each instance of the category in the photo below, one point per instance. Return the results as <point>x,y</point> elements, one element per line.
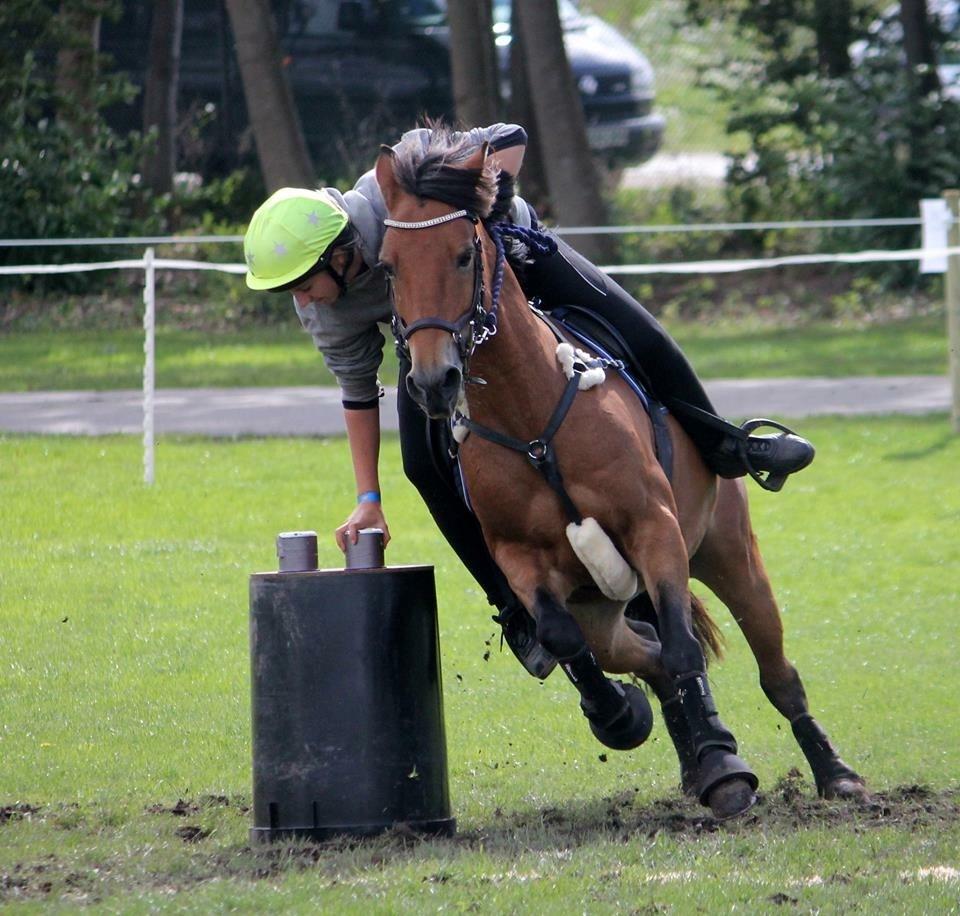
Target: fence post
<point>952,290</point>
<point>149,321</point>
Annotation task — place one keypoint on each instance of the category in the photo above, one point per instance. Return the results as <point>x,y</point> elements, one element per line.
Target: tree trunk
<point>918,45</point>
<point>79,26</point>
<point>834,34</point>
<point>473,60</point>
<point>533,178</point>
<point>281,148</point>
<point>571,174</point>
<point>160,94</point>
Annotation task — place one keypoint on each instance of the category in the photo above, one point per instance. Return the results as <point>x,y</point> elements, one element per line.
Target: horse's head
<point>433,254</point>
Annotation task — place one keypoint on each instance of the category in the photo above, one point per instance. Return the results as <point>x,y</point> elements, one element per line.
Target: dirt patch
<point>789,805</point>
<point>16,812</point>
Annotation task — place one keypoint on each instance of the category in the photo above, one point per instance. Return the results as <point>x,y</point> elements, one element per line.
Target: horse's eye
<point>465,258</point>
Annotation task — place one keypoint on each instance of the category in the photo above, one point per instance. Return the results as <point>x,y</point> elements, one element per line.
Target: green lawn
<point>124,688</point>
<point>101,360</point>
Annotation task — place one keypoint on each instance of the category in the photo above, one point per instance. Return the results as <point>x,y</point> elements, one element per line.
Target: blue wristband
<point>369,496</point>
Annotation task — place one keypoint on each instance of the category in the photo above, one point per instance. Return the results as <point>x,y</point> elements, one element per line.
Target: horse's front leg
<point>619,714</point>
<point>725,783</point>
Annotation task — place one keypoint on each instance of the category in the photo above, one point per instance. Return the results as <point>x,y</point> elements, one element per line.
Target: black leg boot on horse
<point>620,716</point>
<point>601,307</point>
<point>724,782</point>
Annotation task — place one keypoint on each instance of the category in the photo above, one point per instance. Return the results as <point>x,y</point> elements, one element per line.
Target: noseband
<point>476,324</point>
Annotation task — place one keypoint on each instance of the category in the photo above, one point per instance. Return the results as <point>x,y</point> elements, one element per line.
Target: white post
<point>952,289</point>
<point>149,321</point>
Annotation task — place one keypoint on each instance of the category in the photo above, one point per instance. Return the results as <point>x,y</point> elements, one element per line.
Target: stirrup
<point>772,482</point>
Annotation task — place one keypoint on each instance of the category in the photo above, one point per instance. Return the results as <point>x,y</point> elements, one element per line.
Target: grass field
<point>124,700</point>
<point>102,360</point>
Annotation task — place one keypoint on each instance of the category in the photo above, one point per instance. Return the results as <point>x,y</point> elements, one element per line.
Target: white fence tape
<point>150,264</point>
<point>682,267</point>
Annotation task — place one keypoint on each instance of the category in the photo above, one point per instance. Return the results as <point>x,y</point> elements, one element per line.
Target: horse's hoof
<point>731,798</point>
<point>632,727</point>
<point>727,784</point>
<point>846,788</point>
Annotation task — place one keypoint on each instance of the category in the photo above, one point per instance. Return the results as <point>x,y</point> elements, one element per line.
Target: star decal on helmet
<point>313,218</point>
<point>279,249</point>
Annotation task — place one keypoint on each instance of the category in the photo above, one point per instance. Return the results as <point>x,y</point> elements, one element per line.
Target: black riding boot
<point>567,279</point>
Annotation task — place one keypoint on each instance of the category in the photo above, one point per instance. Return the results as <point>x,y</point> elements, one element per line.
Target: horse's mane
<point>436,172</point>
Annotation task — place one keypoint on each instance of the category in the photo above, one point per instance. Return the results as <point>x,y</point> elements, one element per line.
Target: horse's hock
<point>348,733</point>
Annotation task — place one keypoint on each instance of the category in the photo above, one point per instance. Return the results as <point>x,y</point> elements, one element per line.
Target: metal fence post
<point>952,291</point>
<point>149,320</point>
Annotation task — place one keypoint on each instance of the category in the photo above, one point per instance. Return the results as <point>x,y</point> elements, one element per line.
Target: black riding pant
<point>424,445</point>
<point>568,278</point>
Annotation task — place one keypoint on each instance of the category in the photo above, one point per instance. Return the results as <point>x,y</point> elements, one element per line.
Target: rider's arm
<point>363,436</point>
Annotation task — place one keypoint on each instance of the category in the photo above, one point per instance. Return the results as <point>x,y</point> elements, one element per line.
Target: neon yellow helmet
<point>289,236</point>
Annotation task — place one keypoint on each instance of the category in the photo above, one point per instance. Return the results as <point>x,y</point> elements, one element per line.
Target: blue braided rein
<point>537,241</point>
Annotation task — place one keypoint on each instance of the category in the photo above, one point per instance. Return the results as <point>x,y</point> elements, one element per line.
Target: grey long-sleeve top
<point>347,333</point>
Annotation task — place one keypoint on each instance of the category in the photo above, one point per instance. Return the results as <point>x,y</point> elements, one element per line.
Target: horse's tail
<point>705,629</point>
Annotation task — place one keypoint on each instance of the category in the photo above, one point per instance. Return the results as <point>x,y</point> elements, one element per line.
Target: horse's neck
<point>519,365</point>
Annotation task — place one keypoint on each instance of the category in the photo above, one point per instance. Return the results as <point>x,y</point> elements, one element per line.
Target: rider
<point>323,247</point>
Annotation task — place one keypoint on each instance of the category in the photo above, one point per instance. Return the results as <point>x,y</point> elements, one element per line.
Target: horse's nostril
<point>413,389</point>
<point>451,379</point>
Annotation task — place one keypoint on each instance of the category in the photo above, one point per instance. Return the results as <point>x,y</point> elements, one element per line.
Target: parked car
<point>362,72</point>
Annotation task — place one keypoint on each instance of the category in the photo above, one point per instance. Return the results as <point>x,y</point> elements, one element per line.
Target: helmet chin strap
<point>340,278</point>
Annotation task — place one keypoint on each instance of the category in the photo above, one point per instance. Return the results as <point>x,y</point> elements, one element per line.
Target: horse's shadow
<point>918,454</point>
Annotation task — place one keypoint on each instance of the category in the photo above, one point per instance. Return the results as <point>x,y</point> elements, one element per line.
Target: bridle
<point>477,324</point>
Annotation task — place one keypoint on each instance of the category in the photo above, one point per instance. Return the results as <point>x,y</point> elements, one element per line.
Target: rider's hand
<point>365,515</point>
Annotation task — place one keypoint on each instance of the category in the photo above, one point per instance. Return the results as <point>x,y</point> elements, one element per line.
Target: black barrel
<point>348,734</point>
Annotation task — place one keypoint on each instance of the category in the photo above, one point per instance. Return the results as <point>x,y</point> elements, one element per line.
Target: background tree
<point>571,174</point>
<point>918,45</point>
<point>278,134</point>
<point>829,136</point>
<point>473,62</point>
<point>160,95</point>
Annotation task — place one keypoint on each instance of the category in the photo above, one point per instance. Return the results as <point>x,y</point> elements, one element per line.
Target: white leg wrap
<point>609,569</point>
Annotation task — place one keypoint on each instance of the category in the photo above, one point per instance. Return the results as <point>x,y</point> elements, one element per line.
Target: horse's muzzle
<point>436,392</point>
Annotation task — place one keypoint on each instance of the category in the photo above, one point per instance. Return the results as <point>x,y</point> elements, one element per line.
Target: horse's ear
<point>479,158</point>
<point>386,177</point>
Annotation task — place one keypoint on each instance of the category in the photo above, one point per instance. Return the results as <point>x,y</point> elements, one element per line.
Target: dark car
<point>362,72</point>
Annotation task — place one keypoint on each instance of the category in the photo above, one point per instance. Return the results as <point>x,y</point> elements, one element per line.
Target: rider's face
<point>321,288</point>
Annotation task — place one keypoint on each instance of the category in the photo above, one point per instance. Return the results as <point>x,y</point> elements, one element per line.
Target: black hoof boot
<point>833,777</point>
<point>631,726</point>
<point>727,785</point>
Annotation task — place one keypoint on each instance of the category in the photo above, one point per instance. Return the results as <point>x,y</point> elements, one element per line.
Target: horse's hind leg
<point>729,563</point>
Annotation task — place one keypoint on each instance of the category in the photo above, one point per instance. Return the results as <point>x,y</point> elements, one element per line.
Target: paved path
<point>316,411</point>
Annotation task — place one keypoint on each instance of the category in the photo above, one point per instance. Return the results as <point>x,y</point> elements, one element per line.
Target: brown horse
<point>566,485</point>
